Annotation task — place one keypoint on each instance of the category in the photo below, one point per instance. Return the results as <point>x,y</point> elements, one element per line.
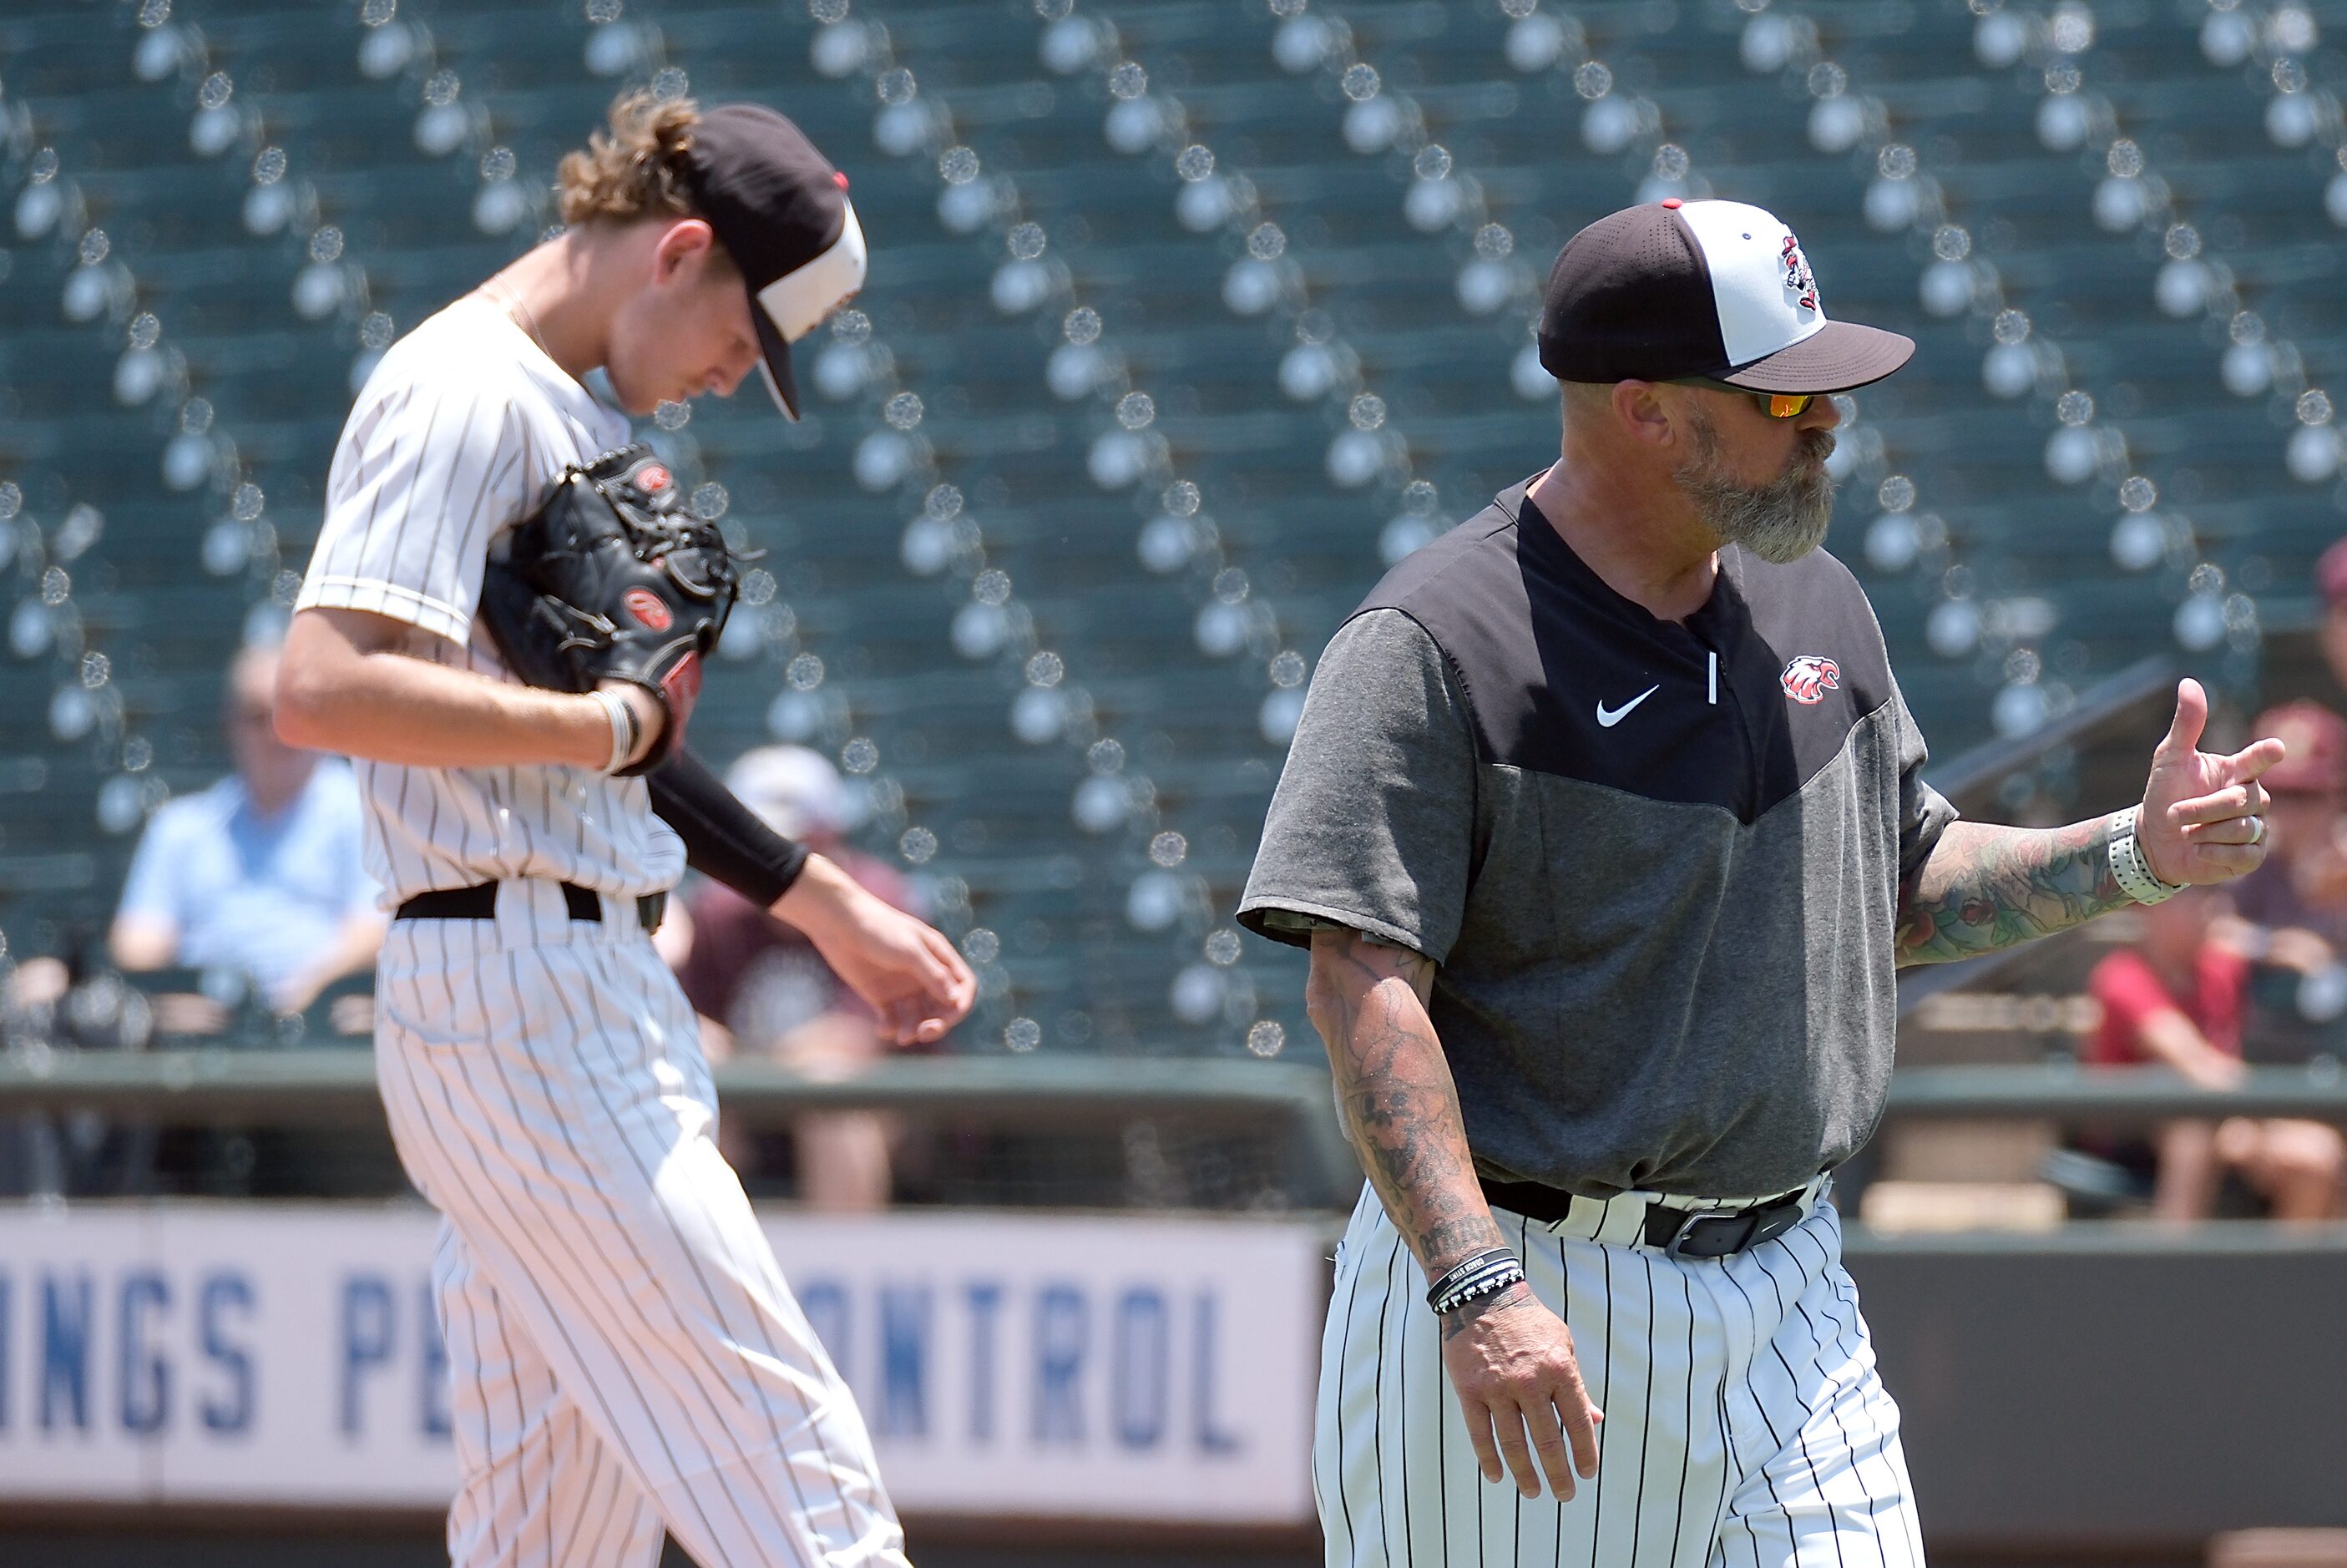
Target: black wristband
<point>1472,1278</point>
<point>722,838</point>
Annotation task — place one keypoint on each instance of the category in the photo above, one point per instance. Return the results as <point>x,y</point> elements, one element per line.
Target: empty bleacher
<point>1185,318</point>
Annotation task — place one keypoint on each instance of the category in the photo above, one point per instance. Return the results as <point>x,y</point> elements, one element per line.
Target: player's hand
<point>909,973</point>
<point>1510,1360</point>
<point>2203,816</point>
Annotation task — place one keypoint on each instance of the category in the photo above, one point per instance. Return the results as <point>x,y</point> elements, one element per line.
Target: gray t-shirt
<point>1656,862</point>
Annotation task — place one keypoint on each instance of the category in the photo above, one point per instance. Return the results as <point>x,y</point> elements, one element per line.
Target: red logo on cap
<point>652,477</point>
<point>839,179</point>
<point>1804,287</point>
<point>647,607</point>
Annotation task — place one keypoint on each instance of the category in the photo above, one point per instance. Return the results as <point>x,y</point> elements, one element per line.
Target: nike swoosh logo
<point>1609,717</point>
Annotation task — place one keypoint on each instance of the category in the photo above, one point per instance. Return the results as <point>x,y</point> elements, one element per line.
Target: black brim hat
<point>1674,290</point>
<point>781,212</point>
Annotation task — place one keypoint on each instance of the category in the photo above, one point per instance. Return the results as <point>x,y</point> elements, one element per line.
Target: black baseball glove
<point>614,578</point>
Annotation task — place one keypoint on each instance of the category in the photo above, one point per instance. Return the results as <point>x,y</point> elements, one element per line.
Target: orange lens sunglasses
<point>1775,405</point>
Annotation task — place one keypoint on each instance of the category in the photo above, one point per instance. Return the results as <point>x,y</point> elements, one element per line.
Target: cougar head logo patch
<point>1809,677</point>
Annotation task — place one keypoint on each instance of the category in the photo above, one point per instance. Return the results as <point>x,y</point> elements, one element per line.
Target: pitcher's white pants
<point>1744,1426</point>
<point>624,1350</point>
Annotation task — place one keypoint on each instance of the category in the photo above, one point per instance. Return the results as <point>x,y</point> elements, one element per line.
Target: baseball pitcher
<point>504,621</point>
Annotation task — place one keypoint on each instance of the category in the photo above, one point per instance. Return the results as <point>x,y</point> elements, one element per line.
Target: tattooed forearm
<point>1984,888</point>
<point>1401,1109</point>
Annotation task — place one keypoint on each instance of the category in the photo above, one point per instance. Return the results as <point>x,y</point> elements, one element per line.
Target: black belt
<point>1681,1233</point>
<point>480,903</point>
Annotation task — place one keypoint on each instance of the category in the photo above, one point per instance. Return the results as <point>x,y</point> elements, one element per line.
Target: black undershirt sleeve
<point>724,839</point>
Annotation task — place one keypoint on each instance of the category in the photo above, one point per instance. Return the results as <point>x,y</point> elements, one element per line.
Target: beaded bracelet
<point>1485,1273</point>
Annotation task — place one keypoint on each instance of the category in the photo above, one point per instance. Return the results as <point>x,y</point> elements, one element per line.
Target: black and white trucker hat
<point>1719,289</point>
<point>781,212</point>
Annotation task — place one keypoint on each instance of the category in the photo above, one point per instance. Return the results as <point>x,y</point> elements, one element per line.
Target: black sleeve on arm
<point>724,839</point>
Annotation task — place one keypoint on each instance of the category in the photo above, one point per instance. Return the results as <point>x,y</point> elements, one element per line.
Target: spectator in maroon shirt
<point>2293,908</point>
<point>2176,999</point>
<point>763,991</point>
<point>2330,578</point>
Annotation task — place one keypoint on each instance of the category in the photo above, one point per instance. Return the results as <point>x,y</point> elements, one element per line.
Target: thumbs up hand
<point>2203,816</point>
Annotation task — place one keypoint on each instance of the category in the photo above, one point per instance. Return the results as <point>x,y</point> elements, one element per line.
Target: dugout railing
<point>1286,1102</point>
<point>2092,1393</point>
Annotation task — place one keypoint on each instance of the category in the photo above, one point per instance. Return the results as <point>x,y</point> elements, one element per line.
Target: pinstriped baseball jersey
<point>459,435</point>
<point>624,1349</point>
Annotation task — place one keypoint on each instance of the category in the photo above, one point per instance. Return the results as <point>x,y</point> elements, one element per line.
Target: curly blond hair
<point>637,168</point>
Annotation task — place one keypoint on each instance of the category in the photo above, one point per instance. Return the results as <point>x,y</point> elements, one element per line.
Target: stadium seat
<point>1185,319</point>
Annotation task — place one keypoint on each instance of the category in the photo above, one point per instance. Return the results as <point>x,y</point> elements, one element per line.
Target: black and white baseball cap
<point>1718,290</point>
<point>781,212</point>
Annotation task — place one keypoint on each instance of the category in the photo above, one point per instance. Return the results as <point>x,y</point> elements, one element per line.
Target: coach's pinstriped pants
<point>1744,1426</point>
<point>624,1350</point>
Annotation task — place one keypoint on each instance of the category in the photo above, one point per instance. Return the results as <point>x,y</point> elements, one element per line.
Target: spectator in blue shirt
<point>262,874</point>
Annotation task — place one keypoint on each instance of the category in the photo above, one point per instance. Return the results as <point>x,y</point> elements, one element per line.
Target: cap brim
<point>774,362</point>
<point>1838,356</point>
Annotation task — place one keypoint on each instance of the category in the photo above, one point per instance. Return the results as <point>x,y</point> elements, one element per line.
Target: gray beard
<point>1780,521</point>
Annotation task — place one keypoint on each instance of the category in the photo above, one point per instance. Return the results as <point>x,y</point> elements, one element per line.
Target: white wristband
<point>2129,868</point>
<point>624,727</point>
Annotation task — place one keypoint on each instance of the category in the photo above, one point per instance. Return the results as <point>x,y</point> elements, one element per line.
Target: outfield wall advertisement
<point>1114,1367</point>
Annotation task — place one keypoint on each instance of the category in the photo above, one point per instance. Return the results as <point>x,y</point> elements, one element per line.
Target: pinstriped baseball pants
<point>624,1351</point>
<point>1745,1426</point>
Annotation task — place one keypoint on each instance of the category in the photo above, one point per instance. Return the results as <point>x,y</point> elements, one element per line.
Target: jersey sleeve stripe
<point>336,591</point>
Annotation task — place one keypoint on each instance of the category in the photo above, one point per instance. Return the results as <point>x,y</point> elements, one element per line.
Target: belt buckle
<point>1674,1248</point>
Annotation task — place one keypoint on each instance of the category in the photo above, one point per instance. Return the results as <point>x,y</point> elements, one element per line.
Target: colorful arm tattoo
<point>1394,1088</point>
<point>1984,888</point>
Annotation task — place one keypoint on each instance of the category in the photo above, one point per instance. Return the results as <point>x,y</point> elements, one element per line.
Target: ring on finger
<point>2257,829</point>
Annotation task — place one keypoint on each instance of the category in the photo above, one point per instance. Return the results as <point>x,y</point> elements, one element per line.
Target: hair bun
<point>636,169</point>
